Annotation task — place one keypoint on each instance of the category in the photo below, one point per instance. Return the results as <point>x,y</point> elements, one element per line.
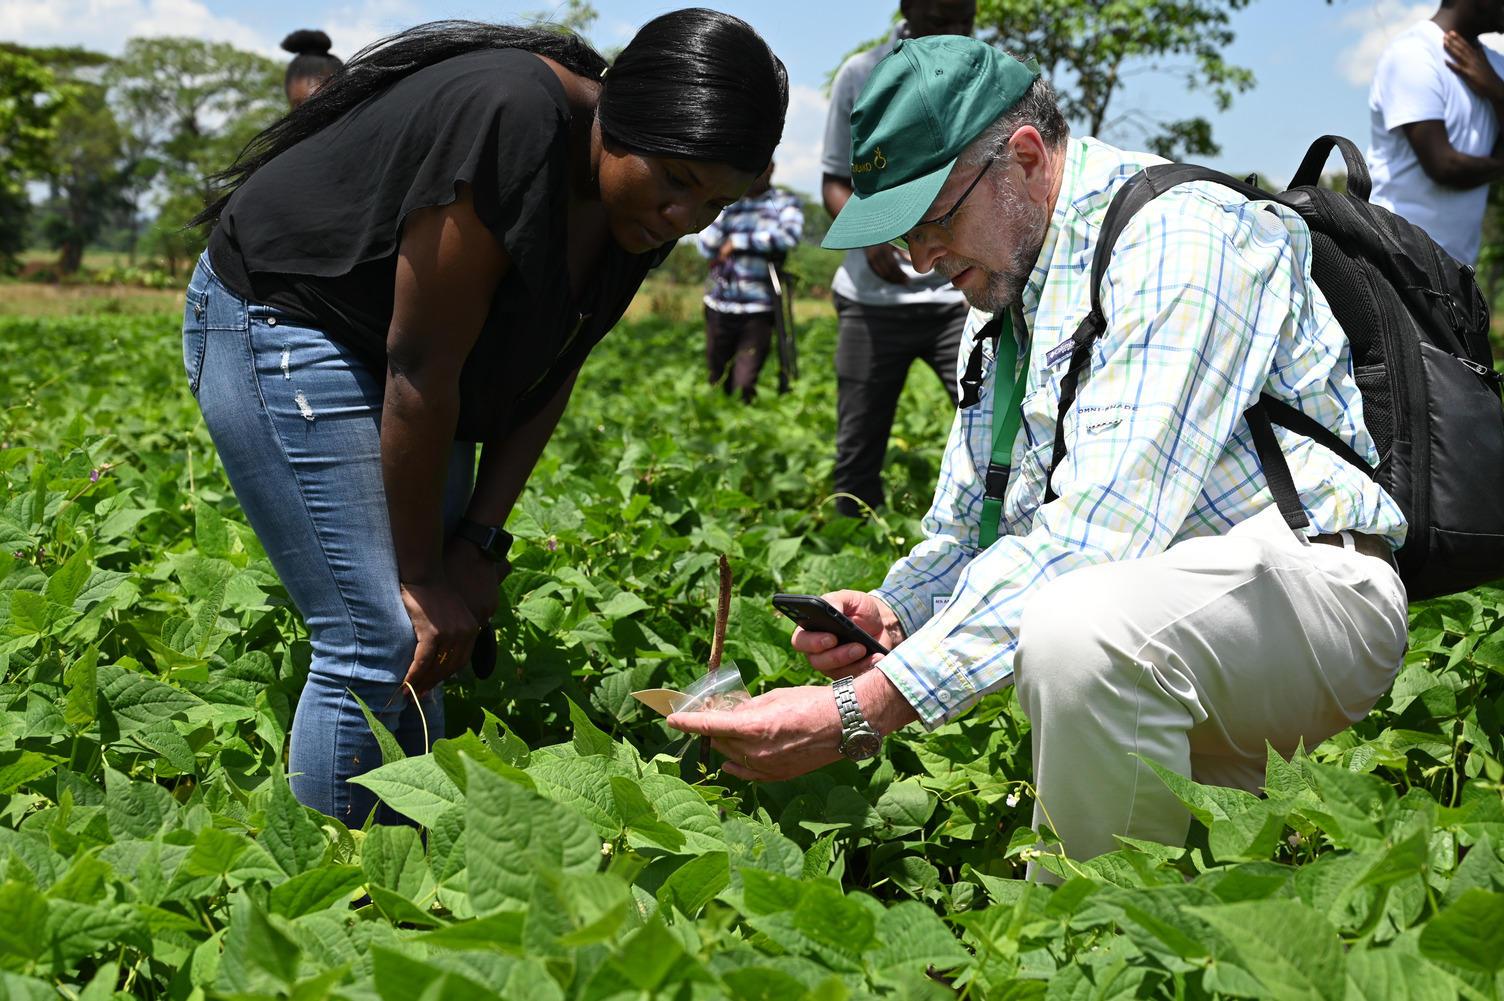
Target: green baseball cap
<point>924,104</point>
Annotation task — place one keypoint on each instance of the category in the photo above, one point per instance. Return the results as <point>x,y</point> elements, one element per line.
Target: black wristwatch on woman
<point>493,541</point>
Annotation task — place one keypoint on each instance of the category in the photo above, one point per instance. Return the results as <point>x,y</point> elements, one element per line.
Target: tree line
<point>111,142</point>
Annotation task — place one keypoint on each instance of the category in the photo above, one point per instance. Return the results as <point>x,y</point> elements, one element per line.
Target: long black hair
<point>693,83</point>
<point>311,58</point>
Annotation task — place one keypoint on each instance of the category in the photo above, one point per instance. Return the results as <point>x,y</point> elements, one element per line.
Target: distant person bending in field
<point>418,259</point>
<point>1435,107</point>
<point>311,64</point>
<point>752,234</point>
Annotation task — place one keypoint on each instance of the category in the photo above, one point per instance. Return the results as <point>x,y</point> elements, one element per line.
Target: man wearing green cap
<point>1157,607</point>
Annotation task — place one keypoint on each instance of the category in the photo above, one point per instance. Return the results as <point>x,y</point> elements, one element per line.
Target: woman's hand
<point>445,628</point>
<point>830,656</point>
<point>475,576</point>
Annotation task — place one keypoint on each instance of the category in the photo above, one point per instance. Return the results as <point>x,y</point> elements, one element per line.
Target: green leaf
<point>1392,975</point>
<point>679,805</point>
<point>1469,934</point>
<point>136,809</point>
<point>839,924</point>
<point>290,835</point>
<point>398,909</point>
<point>18,768</point>
<point>913,939</point>
<point>501,932</point>
<point>393,857</point>
<point>649,956</point>
<point>696,883</point>
<point>22,912</point>
<point>622,604</point>
<point>315,890</point>
<point>513,835</point>
<point>640,818</point>
<point>137,700</point>
<point>414,787</point>
<point>588,738</point>
<point>594,906</point>
<point>256,942</point>
<point>32,614</point>
<point>67,581</point>
<point>1293,951</point>
<point>390,750</point>
<point>76,931</point>
<point>209,531</point>
<point>817,859</point>
<point>905,807</point>
<point>81,704</point>
<point>582,783</point>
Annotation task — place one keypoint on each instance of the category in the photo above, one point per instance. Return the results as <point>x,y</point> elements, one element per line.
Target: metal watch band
<point>847,705</point>
<point>859,740</point>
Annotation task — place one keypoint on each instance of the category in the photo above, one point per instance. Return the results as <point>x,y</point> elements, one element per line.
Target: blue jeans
<point>296,418</point>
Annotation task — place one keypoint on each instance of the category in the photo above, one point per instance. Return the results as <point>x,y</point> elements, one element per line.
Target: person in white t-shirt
<point>888,314</point>
<point>1435,106</point>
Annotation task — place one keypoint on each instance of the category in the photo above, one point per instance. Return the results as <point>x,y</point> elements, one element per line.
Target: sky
<point>1312,60</point>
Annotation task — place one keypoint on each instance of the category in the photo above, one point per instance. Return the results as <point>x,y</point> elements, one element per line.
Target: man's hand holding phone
<point>838,657</point>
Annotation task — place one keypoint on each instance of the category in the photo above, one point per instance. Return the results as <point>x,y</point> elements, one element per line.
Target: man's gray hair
<point>1038,108</point>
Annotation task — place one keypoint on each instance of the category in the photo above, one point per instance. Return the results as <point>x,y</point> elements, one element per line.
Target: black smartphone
<point>819,616</point>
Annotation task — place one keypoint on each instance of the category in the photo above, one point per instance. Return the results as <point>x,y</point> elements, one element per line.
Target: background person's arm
<point>448,267</point>
<point>1444,164</point>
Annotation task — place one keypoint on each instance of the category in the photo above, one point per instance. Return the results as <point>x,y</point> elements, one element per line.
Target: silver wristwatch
<point>858,740</point>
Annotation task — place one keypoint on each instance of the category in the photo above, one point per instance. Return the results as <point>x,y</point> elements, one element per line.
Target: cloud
<point>104,25</point>
<point>354,26</point>
<point>1376,27</point>
<point>798,157</point>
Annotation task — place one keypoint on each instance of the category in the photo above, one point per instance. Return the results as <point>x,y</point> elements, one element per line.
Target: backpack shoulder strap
<point>1140,190</point>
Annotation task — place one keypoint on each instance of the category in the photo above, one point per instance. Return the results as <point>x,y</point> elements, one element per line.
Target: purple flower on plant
<point>552,544</point>
<point>93,476</point>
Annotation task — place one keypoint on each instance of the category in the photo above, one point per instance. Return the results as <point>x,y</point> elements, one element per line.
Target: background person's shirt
<point>761,228</point>
<point>855,280</point>
<point>1209,302</point>
<point>1414,84</point>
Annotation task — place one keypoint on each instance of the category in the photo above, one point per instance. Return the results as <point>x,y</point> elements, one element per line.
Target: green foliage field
<point>149,664</point>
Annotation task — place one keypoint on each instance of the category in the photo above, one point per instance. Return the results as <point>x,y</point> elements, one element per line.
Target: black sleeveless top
<point>315,231</point>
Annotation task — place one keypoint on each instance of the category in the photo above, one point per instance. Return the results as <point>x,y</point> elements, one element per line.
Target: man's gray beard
<point>1025,224</point>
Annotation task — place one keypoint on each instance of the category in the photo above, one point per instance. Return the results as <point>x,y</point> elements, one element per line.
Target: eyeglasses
<point>944,221</point>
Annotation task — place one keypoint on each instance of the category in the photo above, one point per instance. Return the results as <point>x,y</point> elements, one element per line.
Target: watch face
<point>861,745</point>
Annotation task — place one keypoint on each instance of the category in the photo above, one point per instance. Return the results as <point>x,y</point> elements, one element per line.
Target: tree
<point>1088,48</point>
<point>31,99</point>
<point>83,172</point>
<point>188,107</point>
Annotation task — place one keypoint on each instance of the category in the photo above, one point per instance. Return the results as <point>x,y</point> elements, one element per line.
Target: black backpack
<point>1418,326</point>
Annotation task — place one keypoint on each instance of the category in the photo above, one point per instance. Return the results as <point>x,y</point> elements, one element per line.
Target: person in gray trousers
<point>888,315</point>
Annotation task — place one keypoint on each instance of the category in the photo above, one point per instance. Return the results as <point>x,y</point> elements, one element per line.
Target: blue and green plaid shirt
<point>1209,301</point>
<point>760,228</point>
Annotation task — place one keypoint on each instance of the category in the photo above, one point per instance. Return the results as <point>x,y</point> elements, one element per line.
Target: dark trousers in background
<point>876,346</point>
<point>736,346</point>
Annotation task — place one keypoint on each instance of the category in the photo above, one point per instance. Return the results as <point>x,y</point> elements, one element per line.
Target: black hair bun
<point>307,42</point>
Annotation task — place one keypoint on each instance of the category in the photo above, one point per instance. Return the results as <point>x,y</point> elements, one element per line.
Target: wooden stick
<point>722,613</point>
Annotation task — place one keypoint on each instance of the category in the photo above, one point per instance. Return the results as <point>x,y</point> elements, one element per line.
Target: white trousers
<point>1193,658</point>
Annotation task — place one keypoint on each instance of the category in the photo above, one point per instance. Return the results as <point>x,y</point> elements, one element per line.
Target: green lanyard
<point>1007,394</point>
